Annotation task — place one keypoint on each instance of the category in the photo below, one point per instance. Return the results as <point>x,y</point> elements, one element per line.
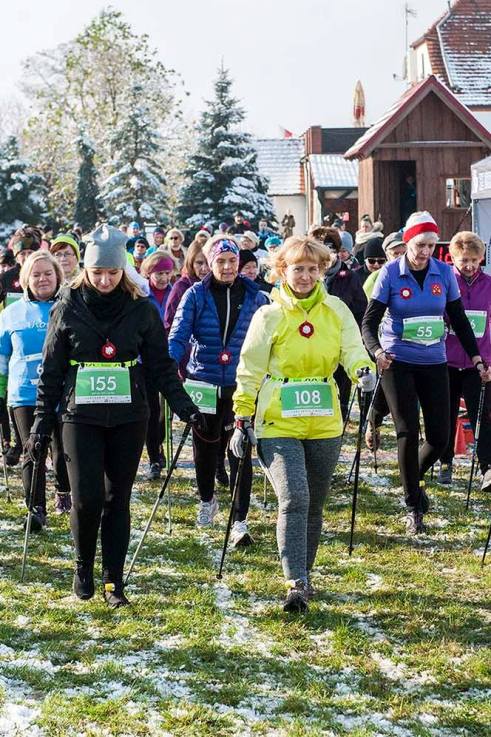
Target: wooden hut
<point>418,156</point>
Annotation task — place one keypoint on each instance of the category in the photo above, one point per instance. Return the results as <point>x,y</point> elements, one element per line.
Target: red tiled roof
<point>459,47</point>
<point>403,106</point>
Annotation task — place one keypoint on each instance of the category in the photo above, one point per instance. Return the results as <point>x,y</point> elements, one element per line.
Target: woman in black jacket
<point>104,342</point>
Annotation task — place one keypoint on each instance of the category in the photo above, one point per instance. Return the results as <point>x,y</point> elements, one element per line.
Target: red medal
<point>306,329</point>
<point>436,289</point>
<point>225,358</point>
<point>405,292</point>
<point>108,350</point>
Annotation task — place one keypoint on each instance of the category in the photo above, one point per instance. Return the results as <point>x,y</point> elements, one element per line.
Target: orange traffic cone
<point>460,445</point>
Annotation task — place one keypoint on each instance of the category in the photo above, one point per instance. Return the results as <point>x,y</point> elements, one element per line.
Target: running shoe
<point>63,502</point>
<point>445,475</point>
<point>486,480</point>
<point>207,512</point>
<point>239,535</point>
<point>154,472</point>
<point>415,524</point>
<point>297,598</point>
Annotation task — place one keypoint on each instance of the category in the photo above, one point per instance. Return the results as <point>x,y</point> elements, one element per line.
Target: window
<point>458,192</point>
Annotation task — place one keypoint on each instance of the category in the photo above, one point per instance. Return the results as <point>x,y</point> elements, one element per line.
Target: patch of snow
<point>18,719</point>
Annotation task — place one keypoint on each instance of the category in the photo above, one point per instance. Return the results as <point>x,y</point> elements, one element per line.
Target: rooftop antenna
<point>408,13</point>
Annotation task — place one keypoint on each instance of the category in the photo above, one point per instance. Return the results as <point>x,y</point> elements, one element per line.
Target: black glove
<point>198,421</point>
<point>36,445</point>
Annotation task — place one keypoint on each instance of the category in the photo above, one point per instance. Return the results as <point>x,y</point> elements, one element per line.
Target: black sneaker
<point>83,582</point>
<point>297,598</point>
<point>114,596</point>
<point>221,474</point>
<point>445,475</point>
<point>154,472</point>
<point>415,524</point>
<point>38,519</point>
<point>12,456</point>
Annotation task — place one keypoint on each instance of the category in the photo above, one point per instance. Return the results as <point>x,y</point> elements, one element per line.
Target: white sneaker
<point>207,512</point>
<point>239,535</point>
<point>486,481</point>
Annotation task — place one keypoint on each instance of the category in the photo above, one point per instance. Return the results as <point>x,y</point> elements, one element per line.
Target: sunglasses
<point>373,261</point>
<point>175,238</point>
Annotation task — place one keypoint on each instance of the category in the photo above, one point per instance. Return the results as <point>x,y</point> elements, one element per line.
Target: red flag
<point>286,133</point>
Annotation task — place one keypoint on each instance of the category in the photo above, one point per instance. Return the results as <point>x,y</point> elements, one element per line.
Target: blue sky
<point>294,62</point>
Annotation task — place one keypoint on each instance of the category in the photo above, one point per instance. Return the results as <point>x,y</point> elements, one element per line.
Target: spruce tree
<point>222,174</point>
<point>22,193</point>
<point>136,188</point>
<point>87,205</point>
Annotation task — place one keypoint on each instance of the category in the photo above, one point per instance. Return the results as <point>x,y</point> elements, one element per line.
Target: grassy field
<point>397,643</point>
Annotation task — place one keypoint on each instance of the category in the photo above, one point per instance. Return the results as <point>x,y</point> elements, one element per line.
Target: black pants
<point>24,417</point>
<point>466,383</point>
<point>405,385</point>
<point>380,408</point>
<point>156,424</point>
<point>102,463</point>
<point>206,451</point>
<point>344,385</point>
<point>4,420</point>
<point>17,438</point>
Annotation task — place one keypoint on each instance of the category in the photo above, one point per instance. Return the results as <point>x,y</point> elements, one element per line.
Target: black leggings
<point>405,385</point>
<point>344,385</point>
<point>156,424</point>
<point>24,418</point>
<point>206,450</point>
<point>467,383</point>
<point>102,463</point>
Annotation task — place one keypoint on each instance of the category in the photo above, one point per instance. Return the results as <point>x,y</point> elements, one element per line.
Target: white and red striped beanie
<point>417,223</point>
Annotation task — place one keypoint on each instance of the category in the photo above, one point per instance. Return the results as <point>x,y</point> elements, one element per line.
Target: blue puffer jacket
<point>197,323</point>
<point>23,327</point>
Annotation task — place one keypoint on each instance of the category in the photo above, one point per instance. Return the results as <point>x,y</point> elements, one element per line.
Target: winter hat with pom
<point>417,223</point>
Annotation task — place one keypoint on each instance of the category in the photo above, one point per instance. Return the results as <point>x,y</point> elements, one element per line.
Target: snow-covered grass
<point>396,644</point>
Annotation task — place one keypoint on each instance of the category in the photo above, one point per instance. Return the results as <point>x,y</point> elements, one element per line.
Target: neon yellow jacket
<point>274,350</point>
<point>370,282</point>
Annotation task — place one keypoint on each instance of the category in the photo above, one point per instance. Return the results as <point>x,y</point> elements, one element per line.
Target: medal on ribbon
<point>108,350</point>
<point>306,329</point>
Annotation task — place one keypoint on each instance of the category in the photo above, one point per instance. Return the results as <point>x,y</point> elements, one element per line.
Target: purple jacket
<point>475,296</point>
<point>179,288</point>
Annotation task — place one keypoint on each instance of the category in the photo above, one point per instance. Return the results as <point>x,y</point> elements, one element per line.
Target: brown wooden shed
<point>418,157</point>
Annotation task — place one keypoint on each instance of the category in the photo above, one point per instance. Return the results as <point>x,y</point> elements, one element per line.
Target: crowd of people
<point>254,340</point>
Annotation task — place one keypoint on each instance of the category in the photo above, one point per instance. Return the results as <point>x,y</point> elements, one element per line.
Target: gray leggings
<point>301,472</point>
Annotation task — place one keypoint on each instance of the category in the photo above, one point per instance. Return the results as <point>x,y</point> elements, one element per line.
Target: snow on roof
<point>279,159</point>
<point>333,171</point>
<point>404,105</point>
<point>459,47</point>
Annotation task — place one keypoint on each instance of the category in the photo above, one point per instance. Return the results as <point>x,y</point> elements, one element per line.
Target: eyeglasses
<point>373,261</point>
<point>64,254</point>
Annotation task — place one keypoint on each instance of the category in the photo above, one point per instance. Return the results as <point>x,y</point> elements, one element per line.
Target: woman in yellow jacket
<point>285,378</point>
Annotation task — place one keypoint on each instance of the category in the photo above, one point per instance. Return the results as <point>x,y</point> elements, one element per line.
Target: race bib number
<point>203,395</point>
<point>477,319</point>
<point>426,330</point>
<point>306,399</point>
<point>12,297</point>
<point>102,385</point>
<point>34,362</point>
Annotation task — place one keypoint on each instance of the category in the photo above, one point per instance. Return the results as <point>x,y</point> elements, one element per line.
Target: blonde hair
<point>154,258</point>
<point>127,284</point>
<point>28,265</point>
<point>299,248</point>
<point>466,240</point>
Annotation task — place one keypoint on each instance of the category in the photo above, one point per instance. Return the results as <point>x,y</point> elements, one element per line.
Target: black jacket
<point>347,286</point>
<point>9,282</point>
<point>74,333</point>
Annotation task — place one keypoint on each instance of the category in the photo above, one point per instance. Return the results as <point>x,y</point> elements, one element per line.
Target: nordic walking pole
<point>480,409</point>
<point>232,505</point>
<point>361,402</point>
<point>265,491</point>
<point>486,547</point>
<point>365,423</point>
<point>5,472</point>
<point>32,494</point>
<point>168,432</point>
<point>159,498</point>
<point>352,401</point>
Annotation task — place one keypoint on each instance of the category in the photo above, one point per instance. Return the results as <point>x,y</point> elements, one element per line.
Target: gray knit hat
<point>106,248</point>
